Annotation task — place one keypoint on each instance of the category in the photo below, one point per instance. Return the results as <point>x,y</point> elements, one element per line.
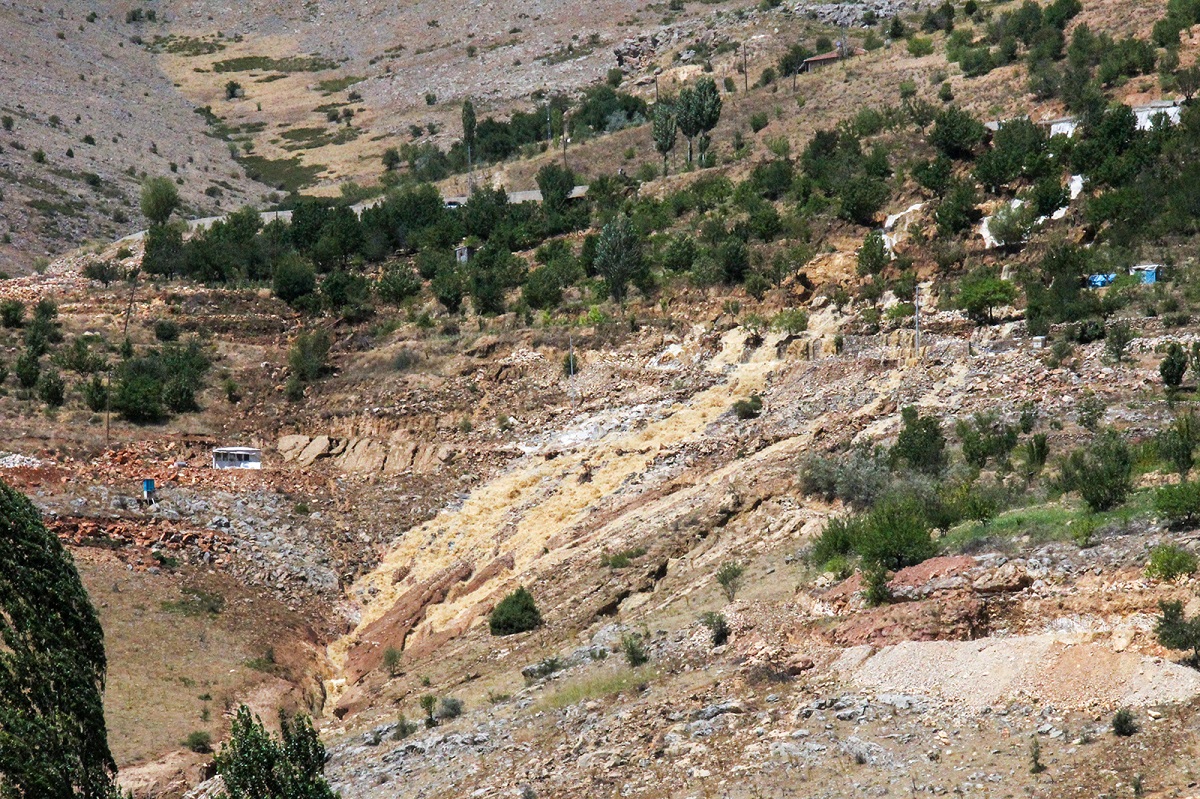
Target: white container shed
<point>237,458</point>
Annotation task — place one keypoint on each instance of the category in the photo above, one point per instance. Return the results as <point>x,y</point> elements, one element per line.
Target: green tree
<point>160,199</point>
<point>663,130</point>
<point>1177,442</point>
<point>468,125</point>
<point>708,100</point>
<point>256,765</point>
<point>981,291</point>
<point>53,741</point>
<point>618,255</point>
<point>1173,366</point>
<point>872,255</point>
<point>516,613</point>
<point>1174,631</point>
<point>688,116</point>
<point>555,183</point>
<point>955,132</point>
<point>921,444</point>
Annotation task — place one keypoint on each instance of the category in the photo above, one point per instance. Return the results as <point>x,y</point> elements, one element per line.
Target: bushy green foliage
<point>729,577</point>
<point>12,313</point>
<point>1173,366</point>
<point>717,625</point>
<point>1101,472</point>
<point>859,478</point>
<point>1174,631</point>
<point>1178,504</point>
<point>618,255</point>
<point>981,291</point>
<point>956,133</point>
<point>308,358</point>
<point>52,667</point>
<point>749,408</point>
<point>1168,561</point>
<point>985,437</point>
<point>160,199</point>
<point>895,534</point>
<point>873,255</point>
<point>1177,442</point>
<point>51,389</point>
<point>516,613</point>
<point>920,445</point>
<point>146,388</point>
<point>256,765</point>
<point>1123,723</point>
<point>634,650</point>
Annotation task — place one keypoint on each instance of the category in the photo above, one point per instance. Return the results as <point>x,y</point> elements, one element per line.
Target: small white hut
<point>237,458</point>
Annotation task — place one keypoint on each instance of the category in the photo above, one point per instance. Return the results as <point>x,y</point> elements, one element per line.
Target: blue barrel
<point>148,486</point>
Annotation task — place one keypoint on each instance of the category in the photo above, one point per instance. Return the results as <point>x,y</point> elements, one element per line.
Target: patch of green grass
<point>1056,521</point>
<point>621,560</point>
<point>311,138</point>
<point>185,45</point>
<point>268,64</point>
<point>598,686</point>
<point>285,174</point>
<point>196,603</point>
<point>332,85</point>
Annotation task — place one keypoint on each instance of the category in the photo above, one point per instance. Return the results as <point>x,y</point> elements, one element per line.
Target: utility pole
<point>745,70</point>
<point>571,364</point>
<point>917,318</point>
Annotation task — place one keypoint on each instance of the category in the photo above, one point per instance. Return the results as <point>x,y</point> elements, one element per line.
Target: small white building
<point>237,458</point>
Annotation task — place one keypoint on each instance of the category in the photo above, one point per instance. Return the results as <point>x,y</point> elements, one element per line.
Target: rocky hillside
<point>855,455</point>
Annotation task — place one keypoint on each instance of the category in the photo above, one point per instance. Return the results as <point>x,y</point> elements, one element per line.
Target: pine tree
<point>53,741</point>
<point>664,132</point>
<point>255,765</point>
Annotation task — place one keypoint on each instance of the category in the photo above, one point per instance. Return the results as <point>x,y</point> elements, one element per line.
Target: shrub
<point>27,369</point>
<point>12,313</point>
<point>397,284</point>
<point>1173,366</point>
<point>749,408</point>
<point>791,321</point>
<point>1091,410</point>
<point>199,741</point>
<point>1178,504</point>
<point>429,704</point>
<point>294,278</point>
<point>895,534</point>
<point>955,132</point>
<point>95,394</point>
<point>1116,337</point>
<point>256,765</point>
<point>1168,561</point>
<point>717,625</point>
<point>308,357</point>
<point>1176,632</point>
<point>920,46</point>
<point>404,728</point>
<point>391,660</point>
<point>758,121</point>
<point>516,613</point>
<point>449,708</point>
<point>1123,723</point>
<point>873,255</point>
<point>729,577</point>
<point>1102,473</point>
<point>1176,443</point>
<point>921,444</point>
<point>634,650</point>
<point>51,389</point>
<point>166,330</point>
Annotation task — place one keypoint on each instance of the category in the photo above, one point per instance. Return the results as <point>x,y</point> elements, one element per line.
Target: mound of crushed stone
<point>1067,672</point>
